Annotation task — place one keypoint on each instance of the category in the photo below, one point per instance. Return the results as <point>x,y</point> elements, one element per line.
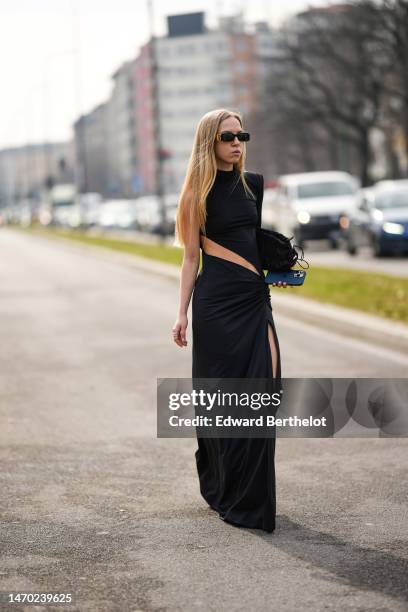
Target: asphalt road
<point>94,504</point>
<point>318,254</point>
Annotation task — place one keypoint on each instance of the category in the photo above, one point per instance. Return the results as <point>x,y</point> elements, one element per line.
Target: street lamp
<point>161,154</point>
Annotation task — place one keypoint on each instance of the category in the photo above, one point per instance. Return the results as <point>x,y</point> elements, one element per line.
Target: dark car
<point>380,220</point>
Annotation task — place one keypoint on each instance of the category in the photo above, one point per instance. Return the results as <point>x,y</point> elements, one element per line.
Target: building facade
<point>25,171</point>
<point>91,138</point>
<point>197,69</point>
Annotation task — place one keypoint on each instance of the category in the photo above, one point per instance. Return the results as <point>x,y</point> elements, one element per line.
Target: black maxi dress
<point>231,311</point>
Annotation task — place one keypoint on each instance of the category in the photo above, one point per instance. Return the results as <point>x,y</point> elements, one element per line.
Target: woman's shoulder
<point>252,174</point>
<point>255,179</point>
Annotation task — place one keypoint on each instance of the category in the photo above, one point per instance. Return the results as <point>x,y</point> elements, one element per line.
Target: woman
<point>233,329</point>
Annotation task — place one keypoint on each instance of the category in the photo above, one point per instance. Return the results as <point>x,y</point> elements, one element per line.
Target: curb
<point>351,323</point>
<point>346,322</point>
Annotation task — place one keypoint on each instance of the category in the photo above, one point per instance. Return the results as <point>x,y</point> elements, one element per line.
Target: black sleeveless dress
<point>231,311</point>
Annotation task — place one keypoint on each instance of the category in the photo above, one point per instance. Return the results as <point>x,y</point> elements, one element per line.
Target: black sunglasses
<point>230,136</point>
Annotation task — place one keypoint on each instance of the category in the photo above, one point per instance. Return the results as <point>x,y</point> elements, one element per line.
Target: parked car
<point>379,219</point>
<point>311,205</point>
<point>147,212</point>
<point>269,208</point>
<point>118,214</point>
<point>89,204</point>
<point>149,215</point>
<point>21,213</point>
<point>171,202</point>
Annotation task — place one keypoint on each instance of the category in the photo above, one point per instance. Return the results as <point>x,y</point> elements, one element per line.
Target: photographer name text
<point>260,421</point>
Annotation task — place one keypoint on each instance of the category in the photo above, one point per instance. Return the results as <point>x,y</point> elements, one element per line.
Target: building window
<point>241,45</point>
<point>186,49</point>
<point>240,67</point>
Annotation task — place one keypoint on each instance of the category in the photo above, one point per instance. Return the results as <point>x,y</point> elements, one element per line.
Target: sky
<point>57,56</point>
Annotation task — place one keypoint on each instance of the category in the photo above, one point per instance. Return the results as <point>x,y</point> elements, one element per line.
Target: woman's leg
<point>274,352</point>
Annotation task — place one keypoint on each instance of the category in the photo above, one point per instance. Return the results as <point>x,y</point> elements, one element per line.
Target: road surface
<point>93,503</point>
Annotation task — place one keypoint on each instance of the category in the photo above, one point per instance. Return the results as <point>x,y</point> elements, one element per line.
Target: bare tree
<point>391,36</point>
<point>326,89</point>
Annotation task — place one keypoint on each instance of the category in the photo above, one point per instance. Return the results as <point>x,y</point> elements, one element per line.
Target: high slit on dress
<point>234,336</point>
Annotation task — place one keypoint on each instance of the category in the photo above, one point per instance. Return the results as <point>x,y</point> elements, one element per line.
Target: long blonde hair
<point>201,173</point>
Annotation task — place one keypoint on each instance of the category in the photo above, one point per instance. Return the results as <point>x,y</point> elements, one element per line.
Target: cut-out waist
<point>212,248</point>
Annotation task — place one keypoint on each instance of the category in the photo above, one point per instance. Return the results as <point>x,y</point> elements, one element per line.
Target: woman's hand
<point>179,330</point>
<point>280,284</point>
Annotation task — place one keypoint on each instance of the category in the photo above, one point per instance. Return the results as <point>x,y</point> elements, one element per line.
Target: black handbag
<point>276,251</point>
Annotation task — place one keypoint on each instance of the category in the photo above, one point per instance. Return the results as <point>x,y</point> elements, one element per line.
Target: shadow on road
<point>348,563</point>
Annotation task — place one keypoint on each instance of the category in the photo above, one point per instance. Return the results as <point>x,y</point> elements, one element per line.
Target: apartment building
<point>25,170</point>
<point>91,148</point>
<point>198,69</point>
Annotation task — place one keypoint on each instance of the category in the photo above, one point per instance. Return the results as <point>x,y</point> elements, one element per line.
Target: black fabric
<point>231,311</point>
<point>275,250</point>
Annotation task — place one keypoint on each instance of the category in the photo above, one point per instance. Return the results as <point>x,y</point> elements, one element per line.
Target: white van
<point>310,205</point>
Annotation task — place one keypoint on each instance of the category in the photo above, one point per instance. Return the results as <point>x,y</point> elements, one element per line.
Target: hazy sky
<point>41,92</point>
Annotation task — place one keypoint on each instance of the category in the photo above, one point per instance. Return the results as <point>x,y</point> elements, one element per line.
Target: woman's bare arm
<point>189,269</point>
